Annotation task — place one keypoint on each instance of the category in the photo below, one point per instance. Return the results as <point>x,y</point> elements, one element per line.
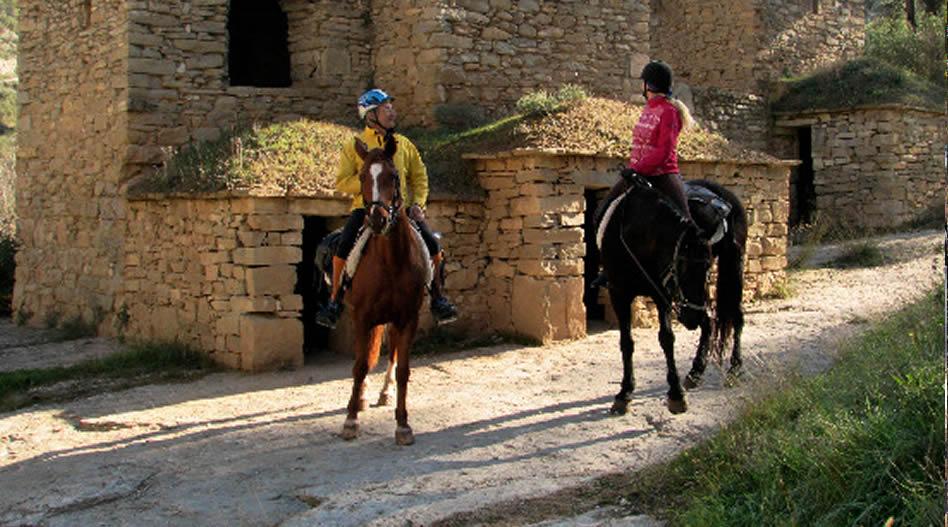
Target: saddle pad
<point>352,263</point>
<point>601,232</point>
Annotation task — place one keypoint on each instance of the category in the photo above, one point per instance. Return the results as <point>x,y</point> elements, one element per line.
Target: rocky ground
<point>492,424</point>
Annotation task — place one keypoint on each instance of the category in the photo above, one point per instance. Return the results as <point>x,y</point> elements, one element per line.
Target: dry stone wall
<point>876,167</point>
<point>219,273</point>
<point>491,52</point>
<point>535,233</point>
<point>743,45</point>
<point>179,86</point>
<point>741,117</point>
<point>71,147</point>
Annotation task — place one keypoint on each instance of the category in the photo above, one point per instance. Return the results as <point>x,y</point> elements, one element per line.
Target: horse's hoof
<point>691,382</point>
<point>350,430</point>
<point>619,407</point>
<point>732,377</point>
<point>384,399</point>
<point>404,436</point>
<point>677,407</point>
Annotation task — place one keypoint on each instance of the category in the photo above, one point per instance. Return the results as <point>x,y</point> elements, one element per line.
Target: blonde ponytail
<point>687,121</point>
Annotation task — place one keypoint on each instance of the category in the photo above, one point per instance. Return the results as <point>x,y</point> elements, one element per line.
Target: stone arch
<point>258,49</point>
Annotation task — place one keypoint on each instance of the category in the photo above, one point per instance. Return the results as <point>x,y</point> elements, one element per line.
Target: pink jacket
<point>655,139</point>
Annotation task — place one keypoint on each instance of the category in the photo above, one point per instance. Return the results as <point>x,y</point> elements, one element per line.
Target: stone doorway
<point>595,309</point>
<point>308,286</point>
<point>802,184</point>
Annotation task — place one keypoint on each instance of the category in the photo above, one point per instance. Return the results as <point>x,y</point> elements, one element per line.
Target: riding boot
<point>602,280</point>
<point>442,310</point>
<point>329,314</point>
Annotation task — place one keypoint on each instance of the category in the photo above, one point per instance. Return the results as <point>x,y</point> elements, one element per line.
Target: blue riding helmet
<point>372,99</point>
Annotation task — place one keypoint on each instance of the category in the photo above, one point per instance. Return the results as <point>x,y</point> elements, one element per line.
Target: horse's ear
<point>361,149</point>
<point>390,146</point>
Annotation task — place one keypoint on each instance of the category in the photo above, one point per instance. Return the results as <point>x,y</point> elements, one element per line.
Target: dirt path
<point>492,424</point>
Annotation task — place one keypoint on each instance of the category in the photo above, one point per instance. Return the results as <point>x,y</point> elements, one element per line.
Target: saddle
<point>328,246</point>
<point>707,209</point>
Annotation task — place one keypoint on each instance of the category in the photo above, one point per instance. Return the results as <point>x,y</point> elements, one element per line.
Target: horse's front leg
<point>402,339</point>
<point>693,379</point>
<point>622,306</point>
<point>388,388</point>
<point>367,342</point>
<point>676,396</point>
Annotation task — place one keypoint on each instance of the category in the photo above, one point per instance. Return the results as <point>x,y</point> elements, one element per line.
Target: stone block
<point>267,255</point>
<point>253,304</point>
<point>270,280</point>
<point>269,343</point>
<point>290,303</point>
<point>275,222</point>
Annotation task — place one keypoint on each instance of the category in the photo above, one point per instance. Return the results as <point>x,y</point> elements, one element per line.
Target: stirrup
<point>443,311</point>
<point>328,315</point>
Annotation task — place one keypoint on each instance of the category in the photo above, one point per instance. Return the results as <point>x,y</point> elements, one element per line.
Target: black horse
<point>648,249</point>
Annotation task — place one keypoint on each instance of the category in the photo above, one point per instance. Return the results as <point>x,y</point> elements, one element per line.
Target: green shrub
<point>543,102</point>
<point>459,116</point>
<point>537,102</point>
<point>859,254</point>
<point>922,51</point>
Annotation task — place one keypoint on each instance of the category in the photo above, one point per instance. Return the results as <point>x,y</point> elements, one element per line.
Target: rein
<point>676,300</point>
<point>391,209</point>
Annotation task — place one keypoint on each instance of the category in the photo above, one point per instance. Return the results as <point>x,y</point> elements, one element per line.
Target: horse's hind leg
<point>366,352</point>
<point>736,361</point>
<point>622,306</point>
<point>693,379</point>
<point>388,388</point>
<point>676,397</point>
<point>401,339</point>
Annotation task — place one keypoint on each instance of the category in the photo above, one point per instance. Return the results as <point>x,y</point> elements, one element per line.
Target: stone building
<point>107,86</point>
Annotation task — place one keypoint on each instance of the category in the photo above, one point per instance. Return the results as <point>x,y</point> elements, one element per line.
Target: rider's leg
<point>442,309</point>
<point>673,187</point>
<point>621,186</point>
<point>329,314</point>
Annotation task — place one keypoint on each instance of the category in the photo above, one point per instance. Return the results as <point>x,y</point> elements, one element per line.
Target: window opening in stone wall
<point>85,14</point>
<point>258,49</point>
<point>802,187</point>
<point>595,310</point>
<point>314,293</point>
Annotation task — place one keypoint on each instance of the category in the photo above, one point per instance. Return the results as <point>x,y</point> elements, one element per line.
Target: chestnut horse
<point>388,287</point>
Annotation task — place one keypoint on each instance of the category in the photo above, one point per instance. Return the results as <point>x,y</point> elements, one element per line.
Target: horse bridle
<point>391,209</point>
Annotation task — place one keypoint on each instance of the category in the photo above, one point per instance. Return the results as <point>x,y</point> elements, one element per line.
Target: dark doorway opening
<point>258,52</point>
<point>594,310</point>
<point>802,187</point>
<point>311,287</point>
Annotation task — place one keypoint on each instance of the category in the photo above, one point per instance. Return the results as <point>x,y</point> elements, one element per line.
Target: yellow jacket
<point>411,169</point>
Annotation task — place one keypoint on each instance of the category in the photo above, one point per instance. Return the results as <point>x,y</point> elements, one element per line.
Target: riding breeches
<point>351,231</point>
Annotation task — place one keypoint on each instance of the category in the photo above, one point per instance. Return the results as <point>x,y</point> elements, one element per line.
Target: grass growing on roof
<point>864,81</point>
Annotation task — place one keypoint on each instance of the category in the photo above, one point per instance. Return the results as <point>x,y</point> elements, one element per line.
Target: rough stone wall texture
<point>742,45</point>
<point>741,117</point>
<point>179,86</point>
<point>71,137</point>
<point>877,167</point>
<point>220,274</point>
<point>535,234</point>
<point>491,52</point>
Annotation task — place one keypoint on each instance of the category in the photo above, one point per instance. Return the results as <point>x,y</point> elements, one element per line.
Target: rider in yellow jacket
<point>376,111</point>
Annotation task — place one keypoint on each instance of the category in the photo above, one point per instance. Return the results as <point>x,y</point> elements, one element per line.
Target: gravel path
<point>491,424</point>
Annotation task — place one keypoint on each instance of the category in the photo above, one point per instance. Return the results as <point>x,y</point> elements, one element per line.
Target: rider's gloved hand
<point>416,213</point>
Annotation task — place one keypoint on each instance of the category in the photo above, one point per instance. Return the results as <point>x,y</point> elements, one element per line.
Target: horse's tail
<point>729,289</point>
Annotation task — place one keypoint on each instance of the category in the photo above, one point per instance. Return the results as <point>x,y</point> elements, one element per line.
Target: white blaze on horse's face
<point>375,170</point>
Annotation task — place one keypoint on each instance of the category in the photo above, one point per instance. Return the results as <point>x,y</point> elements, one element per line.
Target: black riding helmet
<point>657,76</point>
